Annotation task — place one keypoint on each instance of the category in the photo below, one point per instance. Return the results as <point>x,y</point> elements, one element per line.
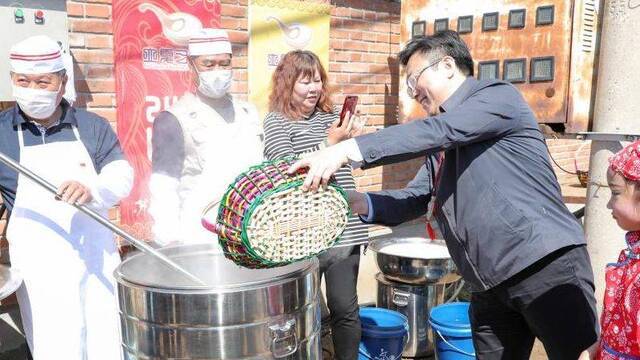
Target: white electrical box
<point>21,19</point>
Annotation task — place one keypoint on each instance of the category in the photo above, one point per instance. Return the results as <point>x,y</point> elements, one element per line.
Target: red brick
<point>239,62</point>
<point>355,45</point>
<point>241,37</point>
<point>369,15</point>
<point>76,40</point>
<point>357,56</point>
<point>96,86</point>
<point>355,89</point>
<point>98,11</point>
<point>368,36</point>
<point>240,75</point>
<point>98,71</point>
<point>339,34</point>
<point>354,67</point>
<point>233,24</point>
<point>379,48</point>
<point>99,1</point>
<point>95,100</point>
<point>340,12</point>
<point>97,26</point>
<point>75,9</point>
<point>233,10</point>
<point>357,14</point>
<point>99,41</point>
<point>92,56</point>
<point>336,44</point>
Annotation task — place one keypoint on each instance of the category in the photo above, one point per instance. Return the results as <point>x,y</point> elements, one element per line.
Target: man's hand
<point>358,202</point>
<point>590,353</point>
<point>322,165</point>
<point>74,192</point>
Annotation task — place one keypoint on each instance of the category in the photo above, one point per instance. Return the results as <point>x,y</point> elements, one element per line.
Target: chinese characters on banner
<point>150,45</point>
<point>277,27</point>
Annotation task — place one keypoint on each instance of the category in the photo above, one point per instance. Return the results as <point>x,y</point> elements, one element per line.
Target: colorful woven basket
<point>266,220</point>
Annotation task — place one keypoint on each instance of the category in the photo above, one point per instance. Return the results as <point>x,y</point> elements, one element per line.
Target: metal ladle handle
<point>140,245</point>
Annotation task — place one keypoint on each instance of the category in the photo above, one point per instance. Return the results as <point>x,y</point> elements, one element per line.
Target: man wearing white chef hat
<point>67,301</point>
<point>200,144</point>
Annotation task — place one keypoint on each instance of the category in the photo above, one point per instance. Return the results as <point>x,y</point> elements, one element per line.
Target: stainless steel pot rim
<point>377,245</point>
<point>10,281</point>
<point>130,272</point>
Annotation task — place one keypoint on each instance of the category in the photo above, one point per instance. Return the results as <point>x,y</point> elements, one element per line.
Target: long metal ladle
<point>140,245</point>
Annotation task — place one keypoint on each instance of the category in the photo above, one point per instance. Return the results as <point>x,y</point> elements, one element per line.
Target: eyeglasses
<point>412,80</point>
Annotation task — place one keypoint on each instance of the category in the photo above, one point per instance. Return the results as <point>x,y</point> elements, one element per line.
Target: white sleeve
<point>114,183</point>
<point>164,208</point>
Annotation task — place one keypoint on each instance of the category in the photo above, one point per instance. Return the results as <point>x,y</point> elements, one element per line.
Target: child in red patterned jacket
<point>620,321</point>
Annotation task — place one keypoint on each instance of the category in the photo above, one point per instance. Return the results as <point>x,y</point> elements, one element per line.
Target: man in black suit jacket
<point>497,202</point>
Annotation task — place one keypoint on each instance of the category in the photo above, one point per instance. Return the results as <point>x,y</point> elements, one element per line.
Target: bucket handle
<point>406,341</point>
<point>454,347</point>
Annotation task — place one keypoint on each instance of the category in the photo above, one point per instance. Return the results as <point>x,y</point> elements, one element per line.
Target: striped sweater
<point>283,137</point>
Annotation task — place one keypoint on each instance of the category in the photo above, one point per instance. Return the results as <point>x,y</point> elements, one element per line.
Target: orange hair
<point>292,66</point>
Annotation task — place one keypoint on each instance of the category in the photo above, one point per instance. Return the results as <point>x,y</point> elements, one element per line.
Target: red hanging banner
<point>150,45</point>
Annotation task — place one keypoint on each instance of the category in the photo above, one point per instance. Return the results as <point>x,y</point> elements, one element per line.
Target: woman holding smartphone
<point>301,120</point>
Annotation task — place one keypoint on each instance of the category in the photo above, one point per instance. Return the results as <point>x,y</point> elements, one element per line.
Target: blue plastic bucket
<point>384,334</point>
<point>452,331</point>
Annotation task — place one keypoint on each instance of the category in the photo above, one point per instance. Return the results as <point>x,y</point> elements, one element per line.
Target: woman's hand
<point>349,128</point>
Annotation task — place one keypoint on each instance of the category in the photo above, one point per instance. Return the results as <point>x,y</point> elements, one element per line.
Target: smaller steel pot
<point>410,267</point>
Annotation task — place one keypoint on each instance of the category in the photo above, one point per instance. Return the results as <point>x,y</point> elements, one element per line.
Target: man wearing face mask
<point>67,301</point>
<point>200,144</point>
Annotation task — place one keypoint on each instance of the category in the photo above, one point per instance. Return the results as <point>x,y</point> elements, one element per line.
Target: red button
<point>39,14</point>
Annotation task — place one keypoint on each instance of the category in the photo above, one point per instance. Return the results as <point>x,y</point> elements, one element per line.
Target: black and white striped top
<point>283,137</point>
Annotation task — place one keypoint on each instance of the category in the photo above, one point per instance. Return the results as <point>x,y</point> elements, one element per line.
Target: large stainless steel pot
<point>414,267</point>
<point>240,313</point>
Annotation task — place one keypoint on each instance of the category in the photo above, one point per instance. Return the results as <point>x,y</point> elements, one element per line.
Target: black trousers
<point>552,300</point>
<point>340,269</point>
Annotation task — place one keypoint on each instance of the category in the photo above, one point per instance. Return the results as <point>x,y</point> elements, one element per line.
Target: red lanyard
<point>432,204</point>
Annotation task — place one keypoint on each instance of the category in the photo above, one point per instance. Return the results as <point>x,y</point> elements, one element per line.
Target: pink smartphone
<point>348,106</point>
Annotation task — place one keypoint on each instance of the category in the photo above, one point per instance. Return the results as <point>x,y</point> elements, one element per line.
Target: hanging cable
<point>554,160</point>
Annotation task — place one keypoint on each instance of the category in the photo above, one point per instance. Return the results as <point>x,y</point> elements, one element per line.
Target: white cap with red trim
<point>209,42</point>
<point>36,55</point>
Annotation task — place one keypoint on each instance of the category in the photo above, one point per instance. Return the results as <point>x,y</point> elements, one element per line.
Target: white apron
<point>68,299</point>
<point>221,150</point>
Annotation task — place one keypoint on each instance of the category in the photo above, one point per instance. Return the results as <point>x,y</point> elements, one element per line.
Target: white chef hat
<point>36,55</point>
<point>209,42</point>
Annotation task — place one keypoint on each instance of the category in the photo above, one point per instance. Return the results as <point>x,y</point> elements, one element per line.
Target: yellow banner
<point>277,27</point>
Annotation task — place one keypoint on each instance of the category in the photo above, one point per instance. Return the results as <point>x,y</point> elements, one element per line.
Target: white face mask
<point>36,103</point>
<point>214,83</point>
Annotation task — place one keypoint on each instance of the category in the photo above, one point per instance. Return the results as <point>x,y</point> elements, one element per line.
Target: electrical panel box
<point>21,19</point>
<point>546,49</point>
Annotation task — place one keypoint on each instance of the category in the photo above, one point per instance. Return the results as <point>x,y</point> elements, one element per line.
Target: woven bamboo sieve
<point>266,220</point>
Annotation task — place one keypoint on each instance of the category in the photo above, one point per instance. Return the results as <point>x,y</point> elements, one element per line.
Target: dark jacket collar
<point>458,96</point>
<point>68,115</point>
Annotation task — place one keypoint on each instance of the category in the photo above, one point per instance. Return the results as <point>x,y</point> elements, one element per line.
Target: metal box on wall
<point>546,49</point>
<point>24,18</point>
